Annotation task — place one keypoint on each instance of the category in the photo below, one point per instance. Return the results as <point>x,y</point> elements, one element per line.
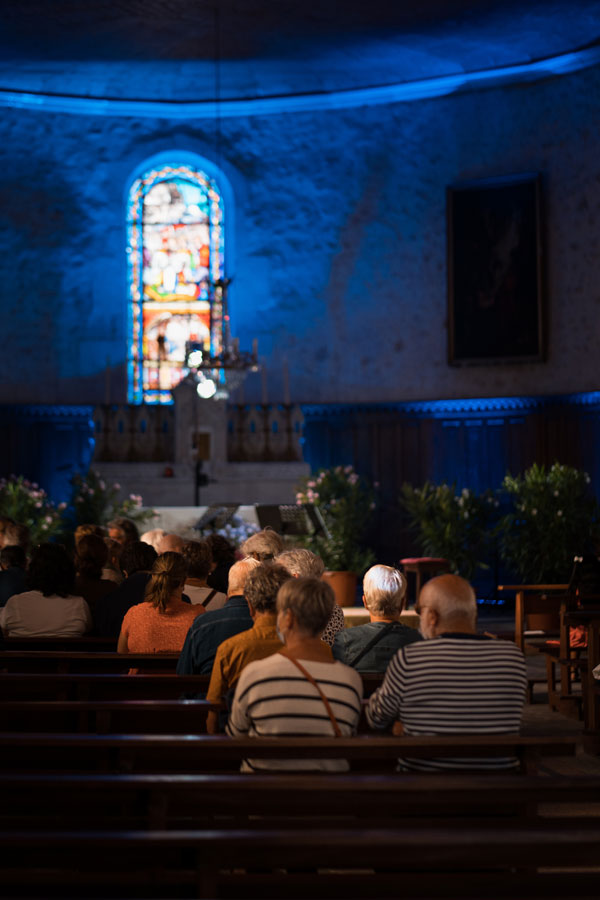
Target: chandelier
<point>216,374</point>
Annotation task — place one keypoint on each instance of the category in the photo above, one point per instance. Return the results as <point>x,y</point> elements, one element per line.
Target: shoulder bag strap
<point>308,676</point>
<point>208,597</point>
<point>381,632</point>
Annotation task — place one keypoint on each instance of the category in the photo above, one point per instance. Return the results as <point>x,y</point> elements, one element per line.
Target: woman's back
<point>149,630</point>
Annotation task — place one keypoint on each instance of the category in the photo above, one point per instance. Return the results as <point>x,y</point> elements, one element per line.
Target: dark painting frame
<point>495,269</point>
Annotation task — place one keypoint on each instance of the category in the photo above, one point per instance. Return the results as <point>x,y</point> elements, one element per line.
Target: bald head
<point>238,574</point>
<point>447,604</point>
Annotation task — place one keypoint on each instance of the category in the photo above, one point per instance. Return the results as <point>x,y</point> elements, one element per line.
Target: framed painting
<point>495,308</point>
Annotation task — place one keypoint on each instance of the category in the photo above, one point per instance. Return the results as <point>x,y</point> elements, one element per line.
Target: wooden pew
<point>95,686</point>
<point>33,802</point>
<point>100,661</point>
<point>85,644</point>
<point>106,716</point>
<point>491,862</point>
<point>193,753</point>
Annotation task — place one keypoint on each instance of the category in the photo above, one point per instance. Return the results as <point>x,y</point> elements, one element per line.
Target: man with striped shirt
<point>453,682</point>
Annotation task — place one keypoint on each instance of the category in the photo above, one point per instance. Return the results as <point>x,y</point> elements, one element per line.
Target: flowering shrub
<point>453,526</point>
<point>346,503</point>
<point>29,505</point>
<point>96,503</point>
<point>554,516</point>
<point>236,529</point>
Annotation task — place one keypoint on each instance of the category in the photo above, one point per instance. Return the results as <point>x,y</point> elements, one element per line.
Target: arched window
<point>175,246</point>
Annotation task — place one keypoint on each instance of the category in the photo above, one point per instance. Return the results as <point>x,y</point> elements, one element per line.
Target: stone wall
<point>338,242</point>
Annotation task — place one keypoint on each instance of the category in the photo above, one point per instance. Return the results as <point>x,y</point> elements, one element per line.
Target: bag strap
<point>208,597</point>
<point>308,676</point>
<point>381,632</point>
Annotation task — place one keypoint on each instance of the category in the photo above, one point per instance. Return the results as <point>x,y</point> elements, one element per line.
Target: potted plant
<point>451,525</point>
<point>346,502</point>
<point>28,504</point>
<point>94,502</point>
<point>553,517</point>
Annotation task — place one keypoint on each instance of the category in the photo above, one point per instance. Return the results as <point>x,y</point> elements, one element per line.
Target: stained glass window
<point>175,258</point>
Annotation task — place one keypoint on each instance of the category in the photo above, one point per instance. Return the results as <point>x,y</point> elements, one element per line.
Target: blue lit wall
<point>338,249</point>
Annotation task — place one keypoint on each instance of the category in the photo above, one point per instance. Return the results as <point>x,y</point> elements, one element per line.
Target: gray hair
<point>265,544</point>
<point>238,574</point>
<point>384,590</point>
<point>299,561</point>
<point>311,602</point>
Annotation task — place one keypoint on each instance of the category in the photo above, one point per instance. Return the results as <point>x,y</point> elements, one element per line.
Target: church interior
<point>248,241</point>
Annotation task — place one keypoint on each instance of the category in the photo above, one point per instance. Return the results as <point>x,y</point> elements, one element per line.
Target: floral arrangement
<point>236,529</point>
<point>554,517</point>
<point>346,502</point>
<point>28,504</point>
<point>451,525</point>
<point>96,503</point>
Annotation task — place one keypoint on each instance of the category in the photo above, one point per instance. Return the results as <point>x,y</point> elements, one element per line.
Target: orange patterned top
<point>150,631</point>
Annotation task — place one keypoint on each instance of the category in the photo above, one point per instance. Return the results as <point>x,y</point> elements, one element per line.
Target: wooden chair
<point>423,568</point>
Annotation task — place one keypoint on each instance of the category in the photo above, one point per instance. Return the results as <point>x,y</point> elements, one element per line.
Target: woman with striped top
<point>277,697</point>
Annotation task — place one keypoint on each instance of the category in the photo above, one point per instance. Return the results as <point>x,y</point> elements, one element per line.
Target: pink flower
<point>49,519</point>
<point>38,505</point>
<point>348,469</point>
<point>353,478</point>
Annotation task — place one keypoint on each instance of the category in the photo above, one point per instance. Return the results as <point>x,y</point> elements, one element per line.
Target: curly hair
<point>127,528</point>
<point>137,557</point>
<point>262,585</point>
<point>169,572</point>
<point>222,550</point>
<point>198,557</point>
<point>51,571</point>
<point>299,561</point>
<point>265,544</point>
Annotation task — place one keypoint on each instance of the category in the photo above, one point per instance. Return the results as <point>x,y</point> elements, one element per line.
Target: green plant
<point>346,503</point>
<point>553,518</point>
<point>450,525</point>
<point>28,504</point>
<point>96,503</point>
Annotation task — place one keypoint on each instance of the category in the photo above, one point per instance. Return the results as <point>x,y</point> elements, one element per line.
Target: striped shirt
<point>273,698</point>
<point>451,685</point>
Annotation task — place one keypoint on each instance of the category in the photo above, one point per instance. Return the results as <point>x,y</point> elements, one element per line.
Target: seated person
<point>301,562</point>
<point>199,559</point>
<point>275,697</point>
<point>12,575</point>
<point>211,629</point>
<point>123,530</point>
<point>91,554</point>
<point>161,622</point>
<point>263,545</point>
<point>49,607</point>
<point>112,569</point>
<point>369,648</point>
<point>171,543</point>
<point>137,559</point>
<point>455,681</point>
<point>223,555</point>
<point>153,537</point>
<point>260,592</point>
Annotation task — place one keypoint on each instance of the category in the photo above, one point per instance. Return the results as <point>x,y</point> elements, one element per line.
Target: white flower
<point>534,511</point>
<point>116,487</point>
<point>559,512</point>
<point>102,485</point>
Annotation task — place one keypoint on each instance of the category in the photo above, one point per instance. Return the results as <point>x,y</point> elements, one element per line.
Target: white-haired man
<point>214,627</point>
<point>455,681</point>
<point>370,647</point>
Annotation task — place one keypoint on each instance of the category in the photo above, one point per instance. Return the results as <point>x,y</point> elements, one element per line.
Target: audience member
<point>5,521</point>
<point>91,554</point>
<point>260,592</point>
<point>153,537</point>
<point>304,563</point>
<point>16,535</point>
<point>13,563</point>
<point>161,622</point>
<point>301,690</point>
<point>211,629</point>
<point>171,543</point>
<point>223,555</point>
<point>48,608</point>
<point>112,569</point>
<point>370,647</point>
<point>137,559</point>
<point>123,530</point>
<point>85,529</point>
<point>453,682</point>
<point>263,545</point>
<point>199,559</point>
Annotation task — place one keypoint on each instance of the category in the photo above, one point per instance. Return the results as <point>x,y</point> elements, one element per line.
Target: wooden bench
<point>85,644</point>
<point>530,860</point>
<point>193,753</point>
<point>70,801</point>
<point>96,686</point>
<point>101,661</point>
<point>106,716</point>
